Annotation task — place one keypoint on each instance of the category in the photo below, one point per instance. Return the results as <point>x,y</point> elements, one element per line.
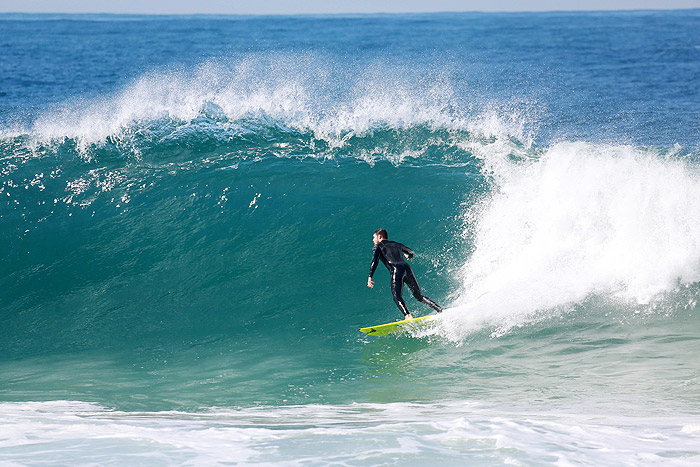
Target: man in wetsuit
<point>391,254</point>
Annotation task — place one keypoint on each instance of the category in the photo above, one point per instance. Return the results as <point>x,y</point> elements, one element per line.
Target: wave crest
<point>295,94</point>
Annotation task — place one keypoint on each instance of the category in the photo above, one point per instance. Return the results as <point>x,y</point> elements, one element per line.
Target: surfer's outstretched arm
<point>376,252</point>
<point>373,265</point>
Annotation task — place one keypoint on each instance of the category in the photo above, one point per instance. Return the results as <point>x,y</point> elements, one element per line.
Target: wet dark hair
<point>382,233</point>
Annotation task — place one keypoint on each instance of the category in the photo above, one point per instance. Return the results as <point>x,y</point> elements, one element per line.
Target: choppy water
<point>186,210</point>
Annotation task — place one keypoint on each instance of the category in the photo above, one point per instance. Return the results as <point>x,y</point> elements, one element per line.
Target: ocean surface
<point>186,216</point>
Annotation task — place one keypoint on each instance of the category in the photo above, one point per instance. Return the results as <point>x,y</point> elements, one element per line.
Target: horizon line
<point>388,13</point>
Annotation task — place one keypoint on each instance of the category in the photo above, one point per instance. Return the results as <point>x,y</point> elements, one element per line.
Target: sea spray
<point>577,220</point>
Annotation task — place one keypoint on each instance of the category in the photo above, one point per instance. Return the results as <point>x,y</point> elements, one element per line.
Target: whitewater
<point>186,224</point>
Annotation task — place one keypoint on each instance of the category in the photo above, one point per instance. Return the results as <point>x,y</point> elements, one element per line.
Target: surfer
<point>391,254</point>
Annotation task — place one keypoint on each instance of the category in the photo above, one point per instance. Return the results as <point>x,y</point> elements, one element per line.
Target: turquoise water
<point>186,212</point>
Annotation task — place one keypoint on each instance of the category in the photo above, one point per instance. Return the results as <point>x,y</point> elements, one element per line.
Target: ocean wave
<point>545,226</point>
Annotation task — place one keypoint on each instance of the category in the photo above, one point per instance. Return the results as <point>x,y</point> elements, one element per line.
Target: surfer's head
<point>379,235</point>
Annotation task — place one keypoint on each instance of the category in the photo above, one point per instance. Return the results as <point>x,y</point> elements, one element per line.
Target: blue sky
<point>326,6</point>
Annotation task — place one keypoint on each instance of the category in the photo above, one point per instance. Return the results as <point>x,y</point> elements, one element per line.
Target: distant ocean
<point>186,216</point>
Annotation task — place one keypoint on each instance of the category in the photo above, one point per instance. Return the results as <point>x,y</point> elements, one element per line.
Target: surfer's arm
<point>408,252</point>
<point>373,265</point>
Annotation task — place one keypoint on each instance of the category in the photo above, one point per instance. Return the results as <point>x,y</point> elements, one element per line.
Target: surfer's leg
<point>412,283</point>
<point>397,279</point>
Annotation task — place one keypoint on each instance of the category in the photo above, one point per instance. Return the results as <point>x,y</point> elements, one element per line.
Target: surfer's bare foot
<point>408,316</point>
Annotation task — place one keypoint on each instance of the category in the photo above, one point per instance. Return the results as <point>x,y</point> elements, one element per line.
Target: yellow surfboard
<point>389,328</point>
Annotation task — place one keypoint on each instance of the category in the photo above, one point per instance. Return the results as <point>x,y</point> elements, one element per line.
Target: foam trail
<point>582,219</point>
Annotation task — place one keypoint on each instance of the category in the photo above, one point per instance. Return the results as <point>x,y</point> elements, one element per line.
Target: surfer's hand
<point>370,283</point>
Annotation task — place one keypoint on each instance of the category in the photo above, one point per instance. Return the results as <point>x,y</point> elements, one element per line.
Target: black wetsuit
<point>391,254</point>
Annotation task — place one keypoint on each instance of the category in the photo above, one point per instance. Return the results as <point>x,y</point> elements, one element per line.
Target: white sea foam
<point>305,92</point>
<point>72,433</point>
<point>578,220</point>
